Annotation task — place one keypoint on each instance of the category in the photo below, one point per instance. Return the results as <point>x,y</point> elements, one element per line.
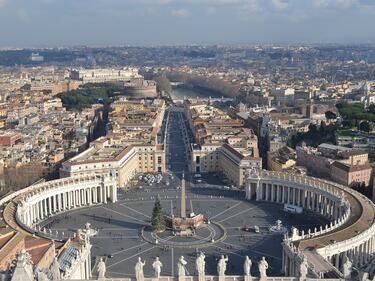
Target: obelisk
<point>183,197</point>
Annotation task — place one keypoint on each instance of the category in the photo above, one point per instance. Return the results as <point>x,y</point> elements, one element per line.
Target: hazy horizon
<point>69,23</point>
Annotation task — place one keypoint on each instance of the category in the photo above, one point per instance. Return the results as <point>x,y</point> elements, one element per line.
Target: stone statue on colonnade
<point>181,268</point>
<point>139,276</point>
<point>101,269</point>
<point>303,269</point>
<point>200,265</point>
<point>347,268</point>
<point>247,268</point>
<point>157,265</point>
<point>263,266</point>
<point>55,269</point>
<point>222,267</point>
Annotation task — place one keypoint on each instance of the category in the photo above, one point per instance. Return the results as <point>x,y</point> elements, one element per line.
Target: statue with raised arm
<point>181,268</point>
<point>263,266</point>
<point>55,269</point>
<point>157,265</point>
<point>139,276</point>
<point>347,268</point>
<point>247,266</point>
<point>303,270</point>
<point>200,265</point>
<point>222,266</point>
<point>101,269</point>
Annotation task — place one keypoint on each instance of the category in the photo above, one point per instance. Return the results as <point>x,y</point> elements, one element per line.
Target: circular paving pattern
<point>205,236</point>
<point>120,228</point>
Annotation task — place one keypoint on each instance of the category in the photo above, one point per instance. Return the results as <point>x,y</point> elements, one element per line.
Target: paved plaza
<point>119,227</point>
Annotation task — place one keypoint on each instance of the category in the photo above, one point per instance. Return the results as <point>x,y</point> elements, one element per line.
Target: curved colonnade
<point>350,234</point>
<point>30,206</point>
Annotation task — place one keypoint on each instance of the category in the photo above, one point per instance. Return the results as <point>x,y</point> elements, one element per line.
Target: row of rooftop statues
<point>200,265</point>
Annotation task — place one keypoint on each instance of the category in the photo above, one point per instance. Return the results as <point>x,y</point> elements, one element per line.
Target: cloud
<point>22,15</point>
<point>181,13</point>
<point>280,5</point>
<point>3,3</point>
<point>335,3</point>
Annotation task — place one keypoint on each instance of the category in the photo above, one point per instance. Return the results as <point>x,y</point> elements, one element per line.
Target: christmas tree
<point>157,220</point>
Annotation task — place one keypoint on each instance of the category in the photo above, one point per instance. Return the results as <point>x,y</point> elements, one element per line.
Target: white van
<point>293,209</point>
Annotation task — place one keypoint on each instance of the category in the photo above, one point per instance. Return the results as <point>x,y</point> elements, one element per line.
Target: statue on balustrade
<point>200,265</point>
<point>139,276</point>
<point>303,269</point>
<point>247,267</point>
<point>181,268</point>
<point>41,276</point>
<point>263,266</point>
<point>347,268</point>
<point>222,266</point>
<point>157,265</point>
<point>101,269</point>
<point>55,270</point>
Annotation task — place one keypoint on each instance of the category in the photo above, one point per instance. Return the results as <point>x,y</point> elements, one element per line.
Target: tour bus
<point>293,209</point>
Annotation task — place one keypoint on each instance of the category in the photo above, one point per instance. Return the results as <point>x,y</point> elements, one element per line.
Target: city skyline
<point>50,23</point>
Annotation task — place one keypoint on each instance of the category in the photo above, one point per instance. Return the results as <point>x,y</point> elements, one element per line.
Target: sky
<point>52,23</point>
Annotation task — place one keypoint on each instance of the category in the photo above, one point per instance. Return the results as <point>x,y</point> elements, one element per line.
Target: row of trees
<point>216,85</point>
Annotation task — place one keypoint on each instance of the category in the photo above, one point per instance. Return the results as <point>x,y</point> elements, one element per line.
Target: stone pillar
<point>45,208</point>
<point>37,211</point>
<point>105,194</point>
<point>95,190</point>
<point>66,200</point>
<point>337,261</point>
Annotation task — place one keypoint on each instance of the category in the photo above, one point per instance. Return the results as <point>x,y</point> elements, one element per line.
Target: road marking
<point>250,250</point>
<point>131,248</point>
<point>240,213</point>
<point>228,251</point>
<point>234,206</point>
<point>135,211</point>
<point>126,216</point>
<point>172,262</point>
<point>114,237</point>
<point>128,258</point>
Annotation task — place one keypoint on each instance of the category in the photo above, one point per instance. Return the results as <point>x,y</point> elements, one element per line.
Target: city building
<point>222,144</point>
<point>132,146</point>
<point>101,75</point>
<point>343,165</point>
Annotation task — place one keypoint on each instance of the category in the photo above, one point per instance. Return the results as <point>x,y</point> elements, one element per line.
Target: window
<point>159,159</point>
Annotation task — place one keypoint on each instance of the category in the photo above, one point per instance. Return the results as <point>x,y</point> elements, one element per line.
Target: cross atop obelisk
<point>183,197</point>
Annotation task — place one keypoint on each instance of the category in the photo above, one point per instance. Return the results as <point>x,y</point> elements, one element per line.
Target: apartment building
<point>131,147</point>
<point>222,144</point>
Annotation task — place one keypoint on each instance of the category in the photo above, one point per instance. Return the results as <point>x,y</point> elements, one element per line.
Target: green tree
<point>163,84</point>
<point>330,115</point>
<point>371,108</point>
<point>157,220</point>
<point>365,126</point>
